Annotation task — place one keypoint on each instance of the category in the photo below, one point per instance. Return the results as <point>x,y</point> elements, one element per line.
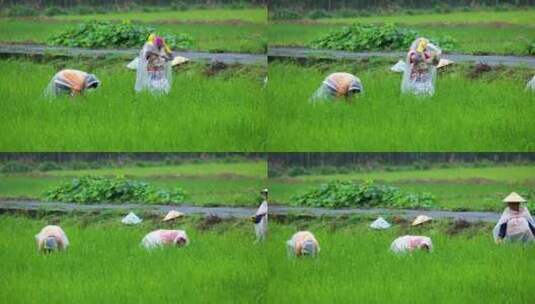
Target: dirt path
<point>244,212</point>
<point>41,50</point>
<point>304,53</point>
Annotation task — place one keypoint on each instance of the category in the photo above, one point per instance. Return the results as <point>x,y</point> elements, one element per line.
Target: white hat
<point>380,223</point>
<point>171,215</point>
<point>420,219</point>
<point>444,62</point>
<point>514,198</point>
<point>178,60</point>
<point>131,219</point>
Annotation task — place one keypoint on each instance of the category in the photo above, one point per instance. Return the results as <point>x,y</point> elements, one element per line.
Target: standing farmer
<point>421,68</point>
<point>51,238</point>
<point>261,218</point>
<point>154,66</point>
<point>516,223</point>
<point>338,85</point>
<point>303,243</point>
<point>71,82</point>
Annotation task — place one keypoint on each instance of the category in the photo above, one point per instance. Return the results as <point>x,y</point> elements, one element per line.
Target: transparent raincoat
<point>519,226</point>
<point>154,69</point>
<point>337,85</point>
<point>421,68</point>
<point>51,235</point>
<point>261,221</point>
<point>303,243</point>
<point>71,82</point>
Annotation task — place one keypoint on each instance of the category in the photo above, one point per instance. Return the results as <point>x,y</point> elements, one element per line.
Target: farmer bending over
<point>72,82</point>
<point>516,223</point>
<point>160,238</point>
<point>409,243</point>
<point>51,238</point>
<point>154,66</point>
<point>303,243</point>
<point>338,85</point>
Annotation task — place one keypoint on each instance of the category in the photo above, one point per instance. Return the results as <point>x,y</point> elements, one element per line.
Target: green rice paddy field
<point>214,30</point>
<point>477,32</point>
<point>201,113</point>
<point>460,188</point>
<point>469,111</point>
<point>223,265</point>
<point>206,183</point>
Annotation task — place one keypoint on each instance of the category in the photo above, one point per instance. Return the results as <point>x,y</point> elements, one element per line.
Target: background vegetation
<point>205,182</point>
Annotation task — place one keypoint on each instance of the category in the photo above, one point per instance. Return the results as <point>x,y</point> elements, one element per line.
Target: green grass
<point>222,265</point>
<point>201,113</point>
<point>476,32</point>
<point>244,38</point>
<point>355,266</point>
<point>253,15</point>
<point>105,263</point>
<point>454,188</point>
<point>233,184</point>
<point>486,114</point>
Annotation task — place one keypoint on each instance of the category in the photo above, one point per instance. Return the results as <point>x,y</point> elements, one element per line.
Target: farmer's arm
<point>531,228</point>
<point>503,230</point>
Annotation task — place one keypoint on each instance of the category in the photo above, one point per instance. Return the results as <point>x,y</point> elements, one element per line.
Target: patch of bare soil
<point>215,68</point>
<point>478,70</point>
<point>209,222</point>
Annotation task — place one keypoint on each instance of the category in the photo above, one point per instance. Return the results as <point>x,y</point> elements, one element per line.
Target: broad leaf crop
<point>105,34</point>
<point>370,37</point>
<point>340,194</point>
<point>90,190</point>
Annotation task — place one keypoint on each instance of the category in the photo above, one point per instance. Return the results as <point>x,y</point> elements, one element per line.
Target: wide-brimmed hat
<point>514,198</point>
<point>444,62</point>
<point>420,219</point>
<point>171,215</point>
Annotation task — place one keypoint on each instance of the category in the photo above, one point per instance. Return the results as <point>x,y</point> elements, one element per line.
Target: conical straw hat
<point>178,60</point>
<point>171,215</point>
<point>420,219</point>
<point>514,198</point>
<point>443,63</point>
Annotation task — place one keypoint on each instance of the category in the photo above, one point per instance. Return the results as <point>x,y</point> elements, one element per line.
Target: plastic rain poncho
<point>303,243</point>
<point>517,224</point>
<point>531,85</point>
<point>421,68</point>
<point>261,221</point>
<point>380,223</point>
<point>51,238</point>
<point>409,243</point>
<point>160,238</point>
<point>71,82</point>
<point>131,219</point>
<point>337,85</point>
<point>154,69</point>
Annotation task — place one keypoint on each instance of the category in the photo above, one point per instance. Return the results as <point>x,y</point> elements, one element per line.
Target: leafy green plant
<point>21,11</point>
<point>48,166</point>
<point>285,14</point>
<point>340,194</point>
<point>370,37</point>
<point>102,34</point>
<point>15,167</point>
<point>318,14</point>
<point>91,190</point>
<point>54,11</point>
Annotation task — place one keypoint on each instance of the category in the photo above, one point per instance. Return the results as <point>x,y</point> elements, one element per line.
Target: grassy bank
<point>223,265</point>
<point>205,183</point>
<point>243,38</point>
<point>485,112</point>
<point>454,188</point>
<point>201,113</point>
<point>483,32</point>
